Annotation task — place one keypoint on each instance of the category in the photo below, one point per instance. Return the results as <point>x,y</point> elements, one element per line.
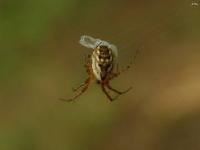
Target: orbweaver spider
<point>99,65</point>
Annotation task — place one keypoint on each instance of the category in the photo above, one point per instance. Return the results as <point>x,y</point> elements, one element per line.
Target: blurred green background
<point>41,60</point>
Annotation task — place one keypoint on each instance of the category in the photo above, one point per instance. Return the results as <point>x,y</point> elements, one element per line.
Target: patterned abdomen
<point>102,62</point>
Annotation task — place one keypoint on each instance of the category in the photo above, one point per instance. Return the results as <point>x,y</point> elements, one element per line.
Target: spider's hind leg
<point>116,91</point>
<point>106,84</point>
<point>106,93</point>
<point>80,86</point>
<point>83,88</point>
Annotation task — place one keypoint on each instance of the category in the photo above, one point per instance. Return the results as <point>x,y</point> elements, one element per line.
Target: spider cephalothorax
<point>101,65</point>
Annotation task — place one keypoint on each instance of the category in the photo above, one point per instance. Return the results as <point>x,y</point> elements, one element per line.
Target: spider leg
<point>106,93</point>
<point>77,88</point>
<point>88,70</point>
<point>85,86</point>
<point>118,71</point>
<point>116,91</point>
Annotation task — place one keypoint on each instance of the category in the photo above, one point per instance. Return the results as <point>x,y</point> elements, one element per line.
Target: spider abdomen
<point>102,62</point>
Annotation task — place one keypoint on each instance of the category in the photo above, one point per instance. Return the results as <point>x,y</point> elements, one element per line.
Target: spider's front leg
<point>118,72</point>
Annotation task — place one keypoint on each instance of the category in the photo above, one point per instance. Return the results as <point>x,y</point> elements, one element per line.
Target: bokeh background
<point>41,60</point>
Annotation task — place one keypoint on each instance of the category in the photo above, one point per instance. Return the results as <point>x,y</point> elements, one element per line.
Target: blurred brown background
<point>41,60</point>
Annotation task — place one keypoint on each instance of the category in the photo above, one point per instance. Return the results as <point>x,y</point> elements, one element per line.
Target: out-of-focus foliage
<point>41,60</point>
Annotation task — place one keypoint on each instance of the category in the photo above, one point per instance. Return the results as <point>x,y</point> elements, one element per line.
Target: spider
<point>100,65</point>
